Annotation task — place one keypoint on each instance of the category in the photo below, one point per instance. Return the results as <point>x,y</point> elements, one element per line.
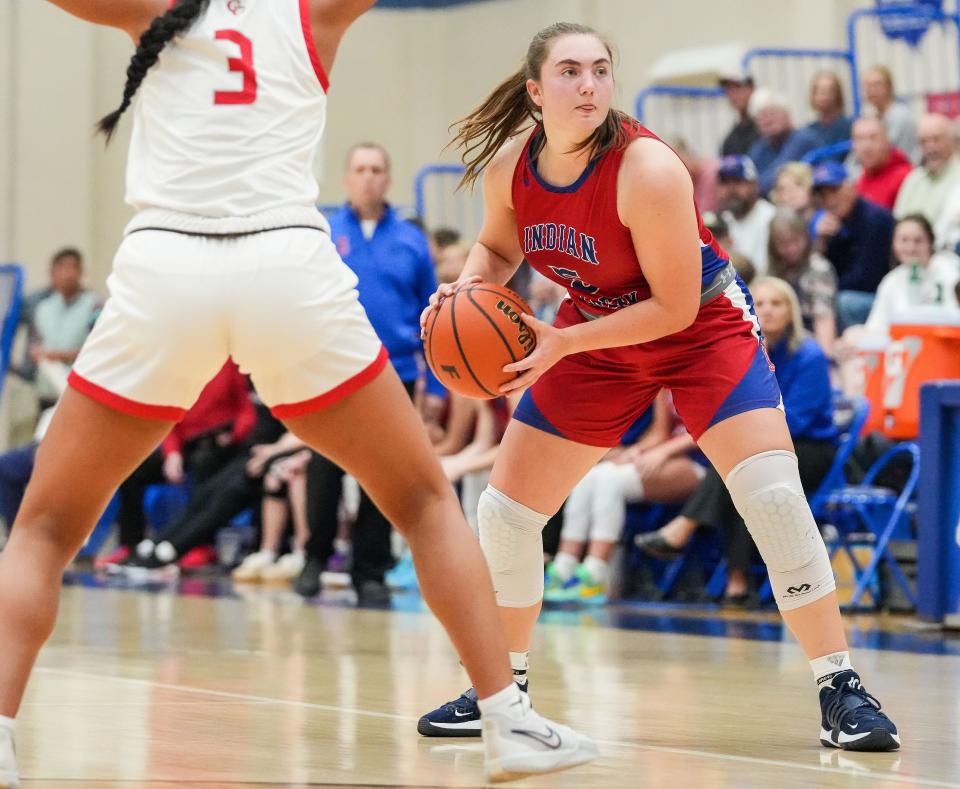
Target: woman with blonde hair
<point>803,375</point>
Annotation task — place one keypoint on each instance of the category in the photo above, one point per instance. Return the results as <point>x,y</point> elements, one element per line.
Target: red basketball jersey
<point>574,236</point>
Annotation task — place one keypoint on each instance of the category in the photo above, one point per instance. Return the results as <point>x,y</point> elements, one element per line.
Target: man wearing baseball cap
<point>746,213</point>
<point>856,237</point>
<point>738,88</point>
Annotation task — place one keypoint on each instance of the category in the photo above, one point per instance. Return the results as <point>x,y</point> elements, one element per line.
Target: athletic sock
<point>520,662</point>
<point>508,701</point>
<point>599,569</point>
<point>8,723</point>
<point>828,665</point>
<point>564,565</point>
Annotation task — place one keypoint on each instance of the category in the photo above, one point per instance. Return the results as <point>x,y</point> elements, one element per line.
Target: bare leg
<point>601,549</point>
<point>376,435</point>
<point>274,516</point>
<point>571,547</point>
<point>679,531</point>
<point>297,494</point>
<point>88,451</point>
<point>817,626</point>
<point>520,473</point>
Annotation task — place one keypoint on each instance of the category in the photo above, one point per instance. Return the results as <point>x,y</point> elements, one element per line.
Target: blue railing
<point>11,275</point>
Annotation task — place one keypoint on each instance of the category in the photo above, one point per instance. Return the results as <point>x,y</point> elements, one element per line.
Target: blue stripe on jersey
<point>711,262</point>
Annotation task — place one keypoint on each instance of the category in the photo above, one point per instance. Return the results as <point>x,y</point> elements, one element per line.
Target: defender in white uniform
<point>227,256</point>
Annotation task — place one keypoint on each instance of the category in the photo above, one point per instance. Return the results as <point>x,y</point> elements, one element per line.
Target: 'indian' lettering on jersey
<point>550,236</point>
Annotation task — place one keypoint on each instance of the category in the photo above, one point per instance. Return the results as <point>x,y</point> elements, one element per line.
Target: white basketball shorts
<point>281,302</point>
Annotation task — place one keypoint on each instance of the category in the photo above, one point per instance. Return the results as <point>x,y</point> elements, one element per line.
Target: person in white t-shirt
<point>919,278</point>
<point>746,213</point>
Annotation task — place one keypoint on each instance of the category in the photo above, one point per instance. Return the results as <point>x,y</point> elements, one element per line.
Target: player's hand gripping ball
<point>473,334</point>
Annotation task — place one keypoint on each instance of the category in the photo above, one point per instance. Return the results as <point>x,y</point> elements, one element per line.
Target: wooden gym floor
<point>189,685</point>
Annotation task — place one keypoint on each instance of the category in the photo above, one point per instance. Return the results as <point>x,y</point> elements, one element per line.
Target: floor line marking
<point>865,773</point>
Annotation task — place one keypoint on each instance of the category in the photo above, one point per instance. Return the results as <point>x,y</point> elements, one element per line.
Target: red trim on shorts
<point>348,387</point>
<point>311,45</point>
<point>166,413</point>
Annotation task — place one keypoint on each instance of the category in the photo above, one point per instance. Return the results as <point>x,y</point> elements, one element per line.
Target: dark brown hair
<point>163,29</point>
<point>509,109</point>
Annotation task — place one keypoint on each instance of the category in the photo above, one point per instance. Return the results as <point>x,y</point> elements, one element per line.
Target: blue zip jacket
<point>397,278</point>
<point>804,378</point>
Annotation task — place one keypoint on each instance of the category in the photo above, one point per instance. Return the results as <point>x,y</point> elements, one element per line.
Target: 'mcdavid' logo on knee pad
<point>798,589</point>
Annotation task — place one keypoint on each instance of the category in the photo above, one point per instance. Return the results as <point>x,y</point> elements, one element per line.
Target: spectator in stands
<point>802,371</point>
<point>284,496</point>
<point>926,190</point>
<point>450,262</point>
<point>779,141</point>
<point>883,168</point>
<point>920,275</point>
<point>746,213</point>
<point>738,89</point>
<point>826,100</point>
<point>62,320</point>
<point>703,172</point>
<point>236,487</point>
<point>793,259</point>
<point>881,101</point>
<point>855,236</point>
<point>440,238</point>
<point>396,276</point>
<point>793,189</point>
<point>654,464</point>
<point>211,433</point>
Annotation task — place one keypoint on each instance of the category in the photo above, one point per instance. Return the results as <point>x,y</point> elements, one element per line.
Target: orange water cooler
<point>868,377</point>
<point>924,346</point>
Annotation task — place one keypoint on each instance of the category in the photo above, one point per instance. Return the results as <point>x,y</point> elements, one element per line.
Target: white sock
<point>144,549</point>
<point>165,552</point>
<point>341,545</point>
<point>564,564</point>
<point>7,723</point>
<point>508,701</point>
<point>828,665</point>
<point>599,569</point>
<point>520,662</point>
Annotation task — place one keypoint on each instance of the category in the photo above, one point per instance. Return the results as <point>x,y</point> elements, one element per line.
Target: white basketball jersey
<point>228,121</point>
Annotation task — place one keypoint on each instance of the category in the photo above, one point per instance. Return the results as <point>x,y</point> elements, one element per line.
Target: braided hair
<point>163,29</point>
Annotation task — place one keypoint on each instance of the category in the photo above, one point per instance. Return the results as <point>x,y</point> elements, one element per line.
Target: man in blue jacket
<point>391,259</point>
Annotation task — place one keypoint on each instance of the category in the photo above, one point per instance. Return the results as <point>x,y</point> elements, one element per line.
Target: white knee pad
<point>512,541</point>
<point>768,495</point>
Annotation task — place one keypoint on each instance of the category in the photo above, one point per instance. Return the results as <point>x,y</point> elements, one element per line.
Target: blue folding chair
<point>879,513</point>
<point>850,415</point>
<point>11,296</point>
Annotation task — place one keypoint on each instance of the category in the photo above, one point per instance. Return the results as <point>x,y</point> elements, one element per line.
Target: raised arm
<point>330,20</point>
<point>132,16</point>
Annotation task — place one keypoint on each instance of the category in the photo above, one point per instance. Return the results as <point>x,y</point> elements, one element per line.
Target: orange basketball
<point>473,335</point>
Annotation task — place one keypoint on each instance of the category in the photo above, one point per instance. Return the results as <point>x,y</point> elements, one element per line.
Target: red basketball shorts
<point>716,368</point>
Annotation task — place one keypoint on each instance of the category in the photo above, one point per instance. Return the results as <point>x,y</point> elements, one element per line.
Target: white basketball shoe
<point>519,742</point>
<point>9,777</point>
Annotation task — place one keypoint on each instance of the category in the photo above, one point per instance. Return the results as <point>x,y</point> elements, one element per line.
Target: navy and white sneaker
<point>457,718</point>
<point>851,717</point>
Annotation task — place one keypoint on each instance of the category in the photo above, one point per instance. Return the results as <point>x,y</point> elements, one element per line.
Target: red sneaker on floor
<point>119,555</point>
<point>202,556</point>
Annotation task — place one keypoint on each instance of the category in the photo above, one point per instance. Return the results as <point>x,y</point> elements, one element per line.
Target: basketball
<point>473,335</point>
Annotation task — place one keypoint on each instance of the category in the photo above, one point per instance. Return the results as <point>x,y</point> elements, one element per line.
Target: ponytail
<point>163,29</point>
<point>507,110</point>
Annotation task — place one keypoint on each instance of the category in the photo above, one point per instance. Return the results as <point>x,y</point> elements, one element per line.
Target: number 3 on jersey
<point>243,64</point>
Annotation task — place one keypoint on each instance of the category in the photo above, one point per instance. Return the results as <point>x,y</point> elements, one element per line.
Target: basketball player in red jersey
<point>597,203</point>
<point>228,256</point>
